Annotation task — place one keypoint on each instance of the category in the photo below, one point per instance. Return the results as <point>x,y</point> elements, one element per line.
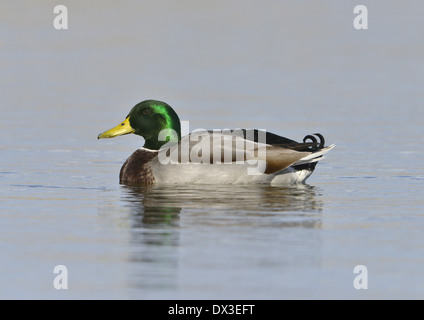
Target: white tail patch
<point>314,157</point>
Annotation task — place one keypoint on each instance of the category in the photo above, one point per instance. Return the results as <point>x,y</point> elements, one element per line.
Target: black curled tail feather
<point>314,145</point>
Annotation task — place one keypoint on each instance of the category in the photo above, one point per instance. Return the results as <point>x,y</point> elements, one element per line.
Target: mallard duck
<point>220,157</point>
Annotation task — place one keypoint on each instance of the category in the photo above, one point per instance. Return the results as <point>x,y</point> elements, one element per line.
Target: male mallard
<point>237,156</point>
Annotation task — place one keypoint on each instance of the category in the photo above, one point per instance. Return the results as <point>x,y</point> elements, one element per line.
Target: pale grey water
<point>291,67</point>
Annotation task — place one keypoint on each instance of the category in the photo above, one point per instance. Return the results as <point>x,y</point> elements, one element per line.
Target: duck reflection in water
<point>160,216</point>
<point>161,206</point>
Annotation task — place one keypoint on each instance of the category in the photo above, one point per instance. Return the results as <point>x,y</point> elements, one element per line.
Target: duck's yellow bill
<point>122,128</point>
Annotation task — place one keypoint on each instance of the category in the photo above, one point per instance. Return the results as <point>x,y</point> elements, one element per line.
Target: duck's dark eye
<point>146,111</point>
<point>122,124</point>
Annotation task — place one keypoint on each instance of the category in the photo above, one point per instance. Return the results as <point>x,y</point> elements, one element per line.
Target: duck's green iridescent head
<point>148,119</point>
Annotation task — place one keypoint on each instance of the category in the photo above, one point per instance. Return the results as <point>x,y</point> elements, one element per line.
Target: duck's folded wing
<point>257,135</point>
<point>279,158</point>
<point>221,147</point>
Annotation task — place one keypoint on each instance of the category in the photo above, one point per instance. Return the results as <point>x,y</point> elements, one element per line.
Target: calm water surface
<point>291,68</point>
